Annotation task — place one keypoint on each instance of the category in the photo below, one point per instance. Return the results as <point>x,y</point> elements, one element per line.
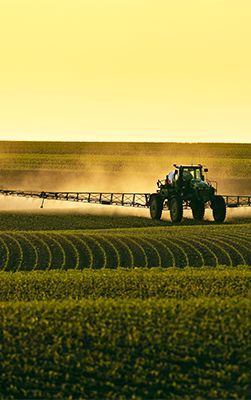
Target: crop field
<point>127,248</point>
<point>131,308</point>
<point>113,305</point>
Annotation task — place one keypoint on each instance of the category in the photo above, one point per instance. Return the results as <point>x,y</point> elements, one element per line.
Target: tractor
<point>188,188</point>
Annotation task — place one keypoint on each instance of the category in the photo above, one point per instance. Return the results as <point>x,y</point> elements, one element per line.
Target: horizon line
<point>120,141</point>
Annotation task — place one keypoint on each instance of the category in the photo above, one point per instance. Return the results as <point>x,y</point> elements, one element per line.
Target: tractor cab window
<point>191,173</point>
<point>187,174</point>
<point>197,173</point>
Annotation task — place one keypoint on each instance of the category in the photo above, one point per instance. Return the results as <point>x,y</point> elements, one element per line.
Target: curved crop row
<point>63,250</point>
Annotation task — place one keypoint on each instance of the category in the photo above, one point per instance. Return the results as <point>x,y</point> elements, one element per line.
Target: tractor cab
<point>185,174</point>
<point>189,172</point>
<point>190,182</point>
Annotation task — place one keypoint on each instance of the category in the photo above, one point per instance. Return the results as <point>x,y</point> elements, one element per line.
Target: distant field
<point>118,166</point>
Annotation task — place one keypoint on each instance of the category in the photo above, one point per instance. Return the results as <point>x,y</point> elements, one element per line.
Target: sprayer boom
<point>116,199</point>
<point>106,198</point>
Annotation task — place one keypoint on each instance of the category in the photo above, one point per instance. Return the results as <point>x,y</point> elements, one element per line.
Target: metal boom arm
<point>108,198</point>
<point>117,199</point>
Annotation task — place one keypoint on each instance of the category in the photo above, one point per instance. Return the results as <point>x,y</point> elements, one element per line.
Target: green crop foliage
<point>109,349</point>
<point>123,283</point>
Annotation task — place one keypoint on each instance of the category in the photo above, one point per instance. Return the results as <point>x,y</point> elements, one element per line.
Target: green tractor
<point>185,187</point>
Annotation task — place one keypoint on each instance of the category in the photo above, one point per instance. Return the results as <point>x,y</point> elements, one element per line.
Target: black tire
<point>156,206</point>
<point>219,209</point>
<point>176,209</point>
<point>198,209</point>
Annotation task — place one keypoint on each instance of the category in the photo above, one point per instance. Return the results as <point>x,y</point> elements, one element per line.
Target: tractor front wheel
<point>176,209</point>
<point>219,209</point>
<point>198,209</point>
<point>156,206</point>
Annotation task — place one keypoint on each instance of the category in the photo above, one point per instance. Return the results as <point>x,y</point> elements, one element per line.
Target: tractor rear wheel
<point>156,206</point>
<point>219,209</point>
<point>176,209</point>
<point>198,209</point>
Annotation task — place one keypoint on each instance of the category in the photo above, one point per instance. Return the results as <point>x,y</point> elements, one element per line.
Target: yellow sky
<point>159,70</point>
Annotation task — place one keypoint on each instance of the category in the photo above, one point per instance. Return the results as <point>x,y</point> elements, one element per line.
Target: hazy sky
<point>159,70</point>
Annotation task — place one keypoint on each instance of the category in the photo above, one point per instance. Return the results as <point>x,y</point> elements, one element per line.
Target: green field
<point>123,307</point>
<point>102,304</point>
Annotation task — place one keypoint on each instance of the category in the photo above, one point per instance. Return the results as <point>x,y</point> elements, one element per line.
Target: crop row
<point>49,250</point>
<point>161,349</point>
<point>126,283</point>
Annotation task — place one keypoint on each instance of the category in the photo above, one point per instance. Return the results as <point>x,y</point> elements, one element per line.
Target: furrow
<point>140,257</point>
<point>222,255</point>
<point>6,258</point>
<point>242,254</point>
<point>28,263</point>
<point>87,255</point>
<point>114,249</point>
<point>170,257</point>
<point>232,251</point>
<point>71,253</point>
<point>43,264</point>
<point>59,251</point>
<point>205,249</point>
<point>181,256</point>
<point>98,262</point>
<point>246,249</point>
<point>18,260</point>
<point>194,259</point>
<point>147,240</point>
<point>123,259</point>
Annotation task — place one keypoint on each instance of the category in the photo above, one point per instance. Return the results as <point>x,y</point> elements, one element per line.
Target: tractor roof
<point>187,166</point>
